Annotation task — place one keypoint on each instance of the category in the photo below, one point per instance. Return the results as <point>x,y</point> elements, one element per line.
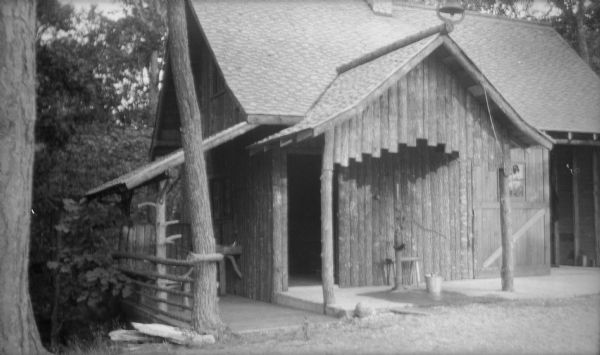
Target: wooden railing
<point>165,294</point>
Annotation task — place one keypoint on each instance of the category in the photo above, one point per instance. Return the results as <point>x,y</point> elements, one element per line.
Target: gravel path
<point>561,326</point>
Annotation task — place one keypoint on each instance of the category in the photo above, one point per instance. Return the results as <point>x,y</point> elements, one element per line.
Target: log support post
<point>596,181</point>
<point>280,212</point>
<point>576,216</point>
<point>555,218</point>
<point>507,271</point>
<point>161,238</point>
<point>327,221</point>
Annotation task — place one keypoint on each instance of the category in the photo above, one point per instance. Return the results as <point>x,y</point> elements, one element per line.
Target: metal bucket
<point>433,284</point>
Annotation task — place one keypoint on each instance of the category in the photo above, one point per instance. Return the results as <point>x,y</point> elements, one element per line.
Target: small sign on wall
<point>516,181</point>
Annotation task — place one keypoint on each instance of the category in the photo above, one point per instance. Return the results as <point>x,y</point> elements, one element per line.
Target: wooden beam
<point>576,219</point>
<point>156,288</point>
<point>580,142</point>
<point>280,213</point>
<point>327,221</point>
<point>195,258</point>
<point>506,272</point>
<point>146,173</point>
<point>442,28</point>
<point>283,120</point>
<point>553,202</point>
<point>154,276</point>
<point>596,182</point>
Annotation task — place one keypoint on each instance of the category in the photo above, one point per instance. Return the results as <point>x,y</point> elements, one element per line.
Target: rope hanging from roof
<point>487,103</point>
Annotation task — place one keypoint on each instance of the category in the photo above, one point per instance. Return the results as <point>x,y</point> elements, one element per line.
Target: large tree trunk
<point>205,313</point>
<point>153,74</point>
<point>581,38</point>
<point>18,331</point>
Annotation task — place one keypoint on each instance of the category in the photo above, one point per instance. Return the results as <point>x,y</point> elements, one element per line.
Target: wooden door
<point>530,230</point>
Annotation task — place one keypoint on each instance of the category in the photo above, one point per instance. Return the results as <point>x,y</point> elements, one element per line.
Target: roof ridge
<point>519,21</point>
<point>401,43</point>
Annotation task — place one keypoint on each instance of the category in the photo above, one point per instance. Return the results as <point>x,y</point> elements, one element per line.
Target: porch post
<point>327,221</point>
<point>506,272</point>
<point>596,180</point>
<point>161,236</point>
<point>576,216</point>
<point>280,221</point>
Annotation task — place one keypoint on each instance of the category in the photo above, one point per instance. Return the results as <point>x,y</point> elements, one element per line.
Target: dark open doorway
<point>304,249</point>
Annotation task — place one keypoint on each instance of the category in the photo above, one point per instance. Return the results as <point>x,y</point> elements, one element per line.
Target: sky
<point>112,8</point>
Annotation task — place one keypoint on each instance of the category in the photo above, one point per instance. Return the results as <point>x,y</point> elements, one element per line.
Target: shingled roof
<point>536,71</point>
<point>279,57</point>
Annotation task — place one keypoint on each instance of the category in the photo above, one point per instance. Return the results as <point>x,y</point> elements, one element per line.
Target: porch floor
<point>244,315</point>
<point>566,281</point>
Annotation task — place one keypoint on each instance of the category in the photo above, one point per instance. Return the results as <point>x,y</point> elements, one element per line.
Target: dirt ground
<point>512,327</point>
<point>559,326</point>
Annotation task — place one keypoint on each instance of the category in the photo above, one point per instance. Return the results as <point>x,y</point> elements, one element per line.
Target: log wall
<point>411,197</point>
<point>418,165</point>
<point>251,223</point>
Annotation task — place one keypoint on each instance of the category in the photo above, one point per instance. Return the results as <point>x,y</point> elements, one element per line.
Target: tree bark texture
<point>507,271</point>
<point>18,331</point>
<point>205,313</point>
<point>581,38</point>
<point>153,73</point>
<point>327,221</point>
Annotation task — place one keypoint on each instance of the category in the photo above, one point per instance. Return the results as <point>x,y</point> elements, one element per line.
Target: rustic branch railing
<point>171,297</point>
<point>153,275</point>
<point>162,289</point>
<point>192,260</point>
<point>169,302</point>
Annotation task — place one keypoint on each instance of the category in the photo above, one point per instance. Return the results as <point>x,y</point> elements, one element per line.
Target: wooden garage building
<point>413,121</point>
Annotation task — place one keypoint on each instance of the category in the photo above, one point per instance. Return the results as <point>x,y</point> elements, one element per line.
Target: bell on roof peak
<point>450,11</point>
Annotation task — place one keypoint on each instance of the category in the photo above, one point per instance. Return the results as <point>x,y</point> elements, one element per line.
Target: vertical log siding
<point>430,184</point>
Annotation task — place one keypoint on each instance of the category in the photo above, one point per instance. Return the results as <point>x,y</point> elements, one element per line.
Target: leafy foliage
<point>90,280</point>
<point>93,113</point>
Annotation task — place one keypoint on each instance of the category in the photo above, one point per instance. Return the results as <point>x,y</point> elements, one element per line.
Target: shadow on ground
<point>422,298</point>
